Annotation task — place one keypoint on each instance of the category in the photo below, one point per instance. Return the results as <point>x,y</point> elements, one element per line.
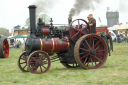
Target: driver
<point>92,23</point>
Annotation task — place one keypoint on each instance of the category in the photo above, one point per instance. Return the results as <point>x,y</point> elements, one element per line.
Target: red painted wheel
<point>22,62</point>
<point>38,62</point>
<point>76,30</point>
<point>4,48</point>
<point>67,65</point>
<point>90,51</point>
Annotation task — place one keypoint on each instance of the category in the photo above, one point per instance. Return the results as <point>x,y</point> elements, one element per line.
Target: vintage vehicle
<point>74,47</point>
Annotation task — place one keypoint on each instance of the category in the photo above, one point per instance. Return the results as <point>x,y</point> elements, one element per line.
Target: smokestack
<point>69,20</point>
<point>32,11</point>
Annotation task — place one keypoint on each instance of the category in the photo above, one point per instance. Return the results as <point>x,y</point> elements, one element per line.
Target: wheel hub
<point>92,51</point>
<point>39,63</point>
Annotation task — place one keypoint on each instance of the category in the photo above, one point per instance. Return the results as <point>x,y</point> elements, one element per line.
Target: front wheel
<point>38,62</point>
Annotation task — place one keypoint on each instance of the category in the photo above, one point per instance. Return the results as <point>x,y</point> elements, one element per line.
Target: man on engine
<point>92,23</point>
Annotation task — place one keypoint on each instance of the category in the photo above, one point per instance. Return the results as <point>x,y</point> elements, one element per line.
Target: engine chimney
<point>32,11</point>
<point>69,20</point>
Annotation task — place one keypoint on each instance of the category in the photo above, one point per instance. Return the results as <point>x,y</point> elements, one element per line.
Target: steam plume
<point>81,5</point>
<point>44,5</point>
<point>123,5</point>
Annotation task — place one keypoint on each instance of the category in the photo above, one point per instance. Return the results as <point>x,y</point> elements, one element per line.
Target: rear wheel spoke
<point>87,44</point>
<point>96,44</point>
<point>100,50</point>
<point>84,49</point>
<point>98,59</point>
<point>85,60</point>
<point>85,56</point>
<point>88,61</point>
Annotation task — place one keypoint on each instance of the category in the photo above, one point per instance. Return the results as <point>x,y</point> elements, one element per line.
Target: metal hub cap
<point>92,52</point>
<point>39,62</point>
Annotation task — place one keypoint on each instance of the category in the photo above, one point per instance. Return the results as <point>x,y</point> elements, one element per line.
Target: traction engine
<point>74,46</point>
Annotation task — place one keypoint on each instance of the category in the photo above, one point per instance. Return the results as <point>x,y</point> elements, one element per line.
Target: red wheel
<point>38,62</point>
<point>76,30</point>
<point>90,51</point>
<point>4,48</point>
<point>22,62</point>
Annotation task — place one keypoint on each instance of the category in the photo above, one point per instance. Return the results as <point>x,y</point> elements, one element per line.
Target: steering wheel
<point>77,30</point>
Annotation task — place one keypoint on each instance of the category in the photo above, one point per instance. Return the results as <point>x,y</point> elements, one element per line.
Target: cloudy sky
<point>15,12</point>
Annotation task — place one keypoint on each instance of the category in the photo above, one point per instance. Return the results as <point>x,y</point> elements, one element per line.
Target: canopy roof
<point>18,36</point>
<point>122,27</point>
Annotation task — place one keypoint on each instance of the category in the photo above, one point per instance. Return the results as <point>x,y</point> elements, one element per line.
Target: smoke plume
<point>44,5</point>
<point>123,5</point>
<point>81,5</point>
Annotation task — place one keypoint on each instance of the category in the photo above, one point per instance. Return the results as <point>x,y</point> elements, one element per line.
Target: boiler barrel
<point>54,44</point>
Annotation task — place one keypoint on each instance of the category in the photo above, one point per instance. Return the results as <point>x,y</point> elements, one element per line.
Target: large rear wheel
<point>90,51</point>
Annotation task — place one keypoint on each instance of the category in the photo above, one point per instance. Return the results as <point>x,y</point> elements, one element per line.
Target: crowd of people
<point>121,39</point>
<point>17,44</point>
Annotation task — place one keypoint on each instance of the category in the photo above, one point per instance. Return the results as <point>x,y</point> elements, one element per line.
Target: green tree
<point>45,18</point>
<point>17,27</point>
<point>4,32</point>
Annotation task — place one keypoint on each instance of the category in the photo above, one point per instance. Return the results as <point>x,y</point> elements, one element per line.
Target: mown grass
<point>114,71</point>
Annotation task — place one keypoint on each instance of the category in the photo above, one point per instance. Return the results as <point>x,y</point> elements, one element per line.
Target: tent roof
<point>18,36</point>
<point>3,36</point>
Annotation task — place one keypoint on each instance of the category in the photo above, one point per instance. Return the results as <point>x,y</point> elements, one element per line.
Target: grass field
<point>114,71</point>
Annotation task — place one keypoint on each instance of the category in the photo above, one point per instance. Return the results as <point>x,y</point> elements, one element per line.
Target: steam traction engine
<point>73,47</point>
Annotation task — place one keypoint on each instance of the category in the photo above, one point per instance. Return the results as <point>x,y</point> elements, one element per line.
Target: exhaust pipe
<point>69,20</point>
<point>32,11</point>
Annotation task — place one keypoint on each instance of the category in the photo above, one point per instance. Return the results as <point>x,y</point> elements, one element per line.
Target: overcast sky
<point>15,12</point>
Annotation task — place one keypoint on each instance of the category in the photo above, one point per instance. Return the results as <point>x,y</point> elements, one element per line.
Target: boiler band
<point>54,44</point>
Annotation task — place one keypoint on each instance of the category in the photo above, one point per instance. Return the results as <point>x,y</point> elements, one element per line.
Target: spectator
<point>127,38</point>
<point>14,44</point>
<point>17,44</point>
<point>118,38</point>
<point>24,41</point>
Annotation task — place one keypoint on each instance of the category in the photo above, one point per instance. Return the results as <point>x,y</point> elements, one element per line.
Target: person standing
<point>92,23</point>
<point>127,38</point>
<point>118,38</point>
<point>17,44</point>
<point>14,44</point>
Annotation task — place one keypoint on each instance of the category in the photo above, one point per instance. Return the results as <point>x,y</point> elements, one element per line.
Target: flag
<point>99,19</point>
<point>118,22</point>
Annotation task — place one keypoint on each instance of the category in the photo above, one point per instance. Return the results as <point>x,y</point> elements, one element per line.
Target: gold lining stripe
<point>68,42</point>
<point>53,44</point>
<point>41,47</point>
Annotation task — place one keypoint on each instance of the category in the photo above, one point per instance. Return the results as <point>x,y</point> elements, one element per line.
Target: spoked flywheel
<point>22,62</point>
<point>67,65</point>
<point>4,48</point>
<point>90,51</point>
<point>38,62</point>
<point>77,30</point>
